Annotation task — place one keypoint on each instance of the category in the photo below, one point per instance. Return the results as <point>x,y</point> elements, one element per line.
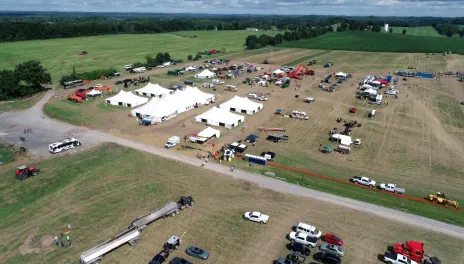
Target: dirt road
<point>46,130</point>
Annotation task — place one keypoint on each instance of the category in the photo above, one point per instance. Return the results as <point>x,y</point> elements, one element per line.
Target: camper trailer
<point>378,99</point>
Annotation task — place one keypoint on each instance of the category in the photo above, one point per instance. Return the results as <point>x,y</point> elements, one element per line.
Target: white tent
<point>205,135</point>
<point>340,74</point>
<point>190,69</point>
<point>371,91</point>
<point>167,107</point>
<point>220,117</point>
<point>127,99</point>
<point>153,90</point>
<point>278,71</point>
<point>242,105</point>
<point>206,74</point>
<point>94,93</point>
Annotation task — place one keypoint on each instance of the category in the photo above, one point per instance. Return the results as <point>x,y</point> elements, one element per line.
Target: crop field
<point>411,141</point>
<point>417,31</point>
<point>379,42</point>
<point>117,50</point>
<point>99,192</point>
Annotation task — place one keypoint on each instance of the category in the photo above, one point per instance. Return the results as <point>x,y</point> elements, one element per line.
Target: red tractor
<point>24,172</point>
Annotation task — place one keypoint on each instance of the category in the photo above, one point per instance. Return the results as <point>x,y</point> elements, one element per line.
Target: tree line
<point>26,79</point>
<point>255,42</point>
<point>449,30</point>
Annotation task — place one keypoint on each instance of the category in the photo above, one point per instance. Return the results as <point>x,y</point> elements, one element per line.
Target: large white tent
<point>241,105</point>
<point>153,90</point>
<point>94,93</point>
<point>278,71</point>
<point>127,99</point>
<point>164,108</point>
<point>206,74</point>
<point>191,69</point>
<point>205,135</point>
<point>220,117</point>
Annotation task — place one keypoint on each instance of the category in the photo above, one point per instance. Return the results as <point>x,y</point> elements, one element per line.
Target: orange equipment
<point>299,72</point>
<point>75,98</point>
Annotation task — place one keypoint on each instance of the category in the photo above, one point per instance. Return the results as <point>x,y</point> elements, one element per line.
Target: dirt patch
<point>26,248</point>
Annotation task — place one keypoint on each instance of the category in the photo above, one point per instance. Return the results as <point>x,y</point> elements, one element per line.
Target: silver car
<point>334,249</point>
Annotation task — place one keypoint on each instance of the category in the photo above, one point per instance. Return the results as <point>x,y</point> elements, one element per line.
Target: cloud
<point>284,7</point>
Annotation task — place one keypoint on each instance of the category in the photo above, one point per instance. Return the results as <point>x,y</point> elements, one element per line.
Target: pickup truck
<point>391,258</point>
<point>364,181</point>
<point>390,187</point>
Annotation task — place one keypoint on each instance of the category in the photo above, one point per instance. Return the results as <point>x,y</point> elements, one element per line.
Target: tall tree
<point>390,30</point>
<point>32,73</point>
<point>404,32</point>
<point>9,85</point>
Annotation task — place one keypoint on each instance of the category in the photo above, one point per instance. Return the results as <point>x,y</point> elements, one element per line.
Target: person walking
<point>202,164</point>
<point>70,243</point>
<point>232,168</point>
<point>63,244</point>
<point>57,241</point>
<point>68,238</point>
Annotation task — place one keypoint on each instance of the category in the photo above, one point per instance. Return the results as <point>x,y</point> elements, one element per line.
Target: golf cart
<point>172,244</point>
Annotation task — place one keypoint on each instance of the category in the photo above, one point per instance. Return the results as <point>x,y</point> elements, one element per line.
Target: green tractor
<point>329,64</point>
<point>247,81</point>
<point>286,84</point>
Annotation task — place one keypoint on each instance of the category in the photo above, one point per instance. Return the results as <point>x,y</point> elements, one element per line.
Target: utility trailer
<point>94,255</point>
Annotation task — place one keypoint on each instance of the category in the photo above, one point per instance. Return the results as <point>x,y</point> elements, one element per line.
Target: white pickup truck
<point>172,141</point>
<point>364,181</point>
<point>391,258</point>
<point>391,187</point>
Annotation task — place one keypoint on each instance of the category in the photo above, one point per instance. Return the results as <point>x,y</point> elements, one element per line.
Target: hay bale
<point>270,174</point>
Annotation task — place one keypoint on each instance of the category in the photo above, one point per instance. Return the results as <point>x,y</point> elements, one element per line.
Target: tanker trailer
<point>93,255</point>
<point>141,222</point>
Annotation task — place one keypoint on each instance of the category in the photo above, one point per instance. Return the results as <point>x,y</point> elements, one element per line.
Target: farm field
<point>417,31</point>
<point>411,141</point>
<point>101,190</point>
<point>379,42</point>
<point>117,50</point>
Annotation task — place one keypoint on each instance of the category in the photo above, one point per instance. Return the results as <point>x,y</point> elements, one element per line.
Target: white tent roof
<point>94,92</point>
<point>220,115</point>
<point>242,103</point>
<point>209,132</point>
<point>206,73</point>
<point>278,71</point>
<point>155,89</point>
<point>157,107</point>
<point>128,98</point>
<point>190,68</point>
<point>340,74</point>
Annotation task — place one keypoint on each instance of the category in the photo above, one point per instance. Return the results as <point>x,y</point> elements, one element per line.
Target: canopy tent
<point>190,69</point>
<point>164,108</point>
<point>220,117</point>
<point>340,74</point>
<point>278,71</point>
<point>206,74</point>
<point>153,90</point>
<point>242,105</point>
<point>127,99</point>
<point>205,135</point>
<point>94,93</point>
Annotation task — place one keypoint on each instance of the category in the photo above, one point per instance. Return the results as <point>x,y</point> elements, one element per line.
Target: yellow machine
<point>440,198</point>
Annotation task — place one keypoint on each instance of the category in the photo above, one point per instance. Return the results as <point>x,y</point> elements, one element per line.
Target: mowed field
<point>417,31</point>
<point>99,192</point>
<point>415,141</point>
<point>379,42</point>
<point>117,50</point>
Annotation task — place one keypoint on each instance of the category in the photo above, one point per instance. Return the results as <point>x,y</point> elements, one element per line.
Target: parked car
<point>364,181</point>
<point>391,187</point>
<point>160,258</point>
<point>261,98</point>
<point>309,100</point>
<point>391,258</point>
<point>332,239</point>
<point>252,96</point>
<point>297,247</point>
<point>197,252</point>
<point>284,261</point>
<point>279,82</point>
<point>178,260</point>
<point>327,258</point>
<point>392,92</point>
<point>308,229</point>
<point>334,249</point>
<point>160,66</point>
<point>303,238</point>
<point>256,217</point>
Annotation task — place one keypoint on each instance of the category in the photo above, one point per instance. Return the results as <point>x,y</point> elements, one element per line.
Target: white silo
<point>385,27</point>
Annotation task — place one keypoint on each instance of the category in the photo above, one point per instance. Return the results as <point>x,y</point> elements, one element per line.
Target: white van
<point>128,67</point>
<point>312,231</point>
<point>172,141</point>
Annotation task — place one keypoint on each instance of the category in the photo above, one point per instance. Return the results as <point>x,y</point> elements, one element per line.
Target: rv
<point>378,99</point>
<point>172,141</point>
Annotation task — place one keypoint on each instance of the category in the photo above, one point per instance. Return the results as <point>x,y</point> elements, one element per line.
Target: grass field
<point>7,154</point>
<point>418,31</point>
<point>117,50</point>
<point>379,42</point>
<point>100,191</point>
<point>19,104</point>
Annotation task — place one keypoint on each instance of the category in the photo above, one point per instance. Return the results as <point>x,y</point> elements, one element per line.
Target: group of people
<point>63,241</point>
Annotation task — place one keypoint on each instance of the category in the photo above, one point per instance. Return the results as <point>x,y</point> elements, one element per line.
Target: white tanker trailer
<point>93,255</point>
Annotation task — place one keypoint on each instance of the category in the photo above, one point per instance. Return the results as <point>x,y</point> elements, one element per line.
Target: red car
<point>331,239</point>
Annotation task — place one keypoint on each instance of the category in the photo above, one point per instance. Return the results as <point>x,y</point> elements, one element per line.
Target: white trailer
<point>93,255</point>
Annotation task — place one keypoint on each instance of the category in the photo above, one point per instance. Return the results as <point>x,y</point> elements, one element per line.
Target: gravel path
<point>46,130</point>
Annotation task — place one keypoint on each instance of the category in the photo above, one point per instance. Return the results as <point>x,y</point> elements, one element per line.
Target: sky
<point>446,8</point>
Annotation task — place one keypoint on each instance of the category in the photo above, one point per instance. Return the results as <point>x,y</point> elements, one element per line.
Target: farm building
<point>164,108</point>
<point>220,117</point>
<point>206,74</point>
<point>242,105</point>
<point>126,99</point>
<point>153,90</point>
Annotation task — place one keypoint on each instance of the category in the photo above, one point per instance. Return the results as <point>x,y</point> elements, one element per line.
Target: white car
<point>309,100</point>
<point>261,98</point>
<point>279,82</point>
<point>256,217</point>
<point>160,66</point>
<point>303,238</point>
<point>392,92</point>
<point>98,86</point>
<point>364,181</point>
<point>252,96</point>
